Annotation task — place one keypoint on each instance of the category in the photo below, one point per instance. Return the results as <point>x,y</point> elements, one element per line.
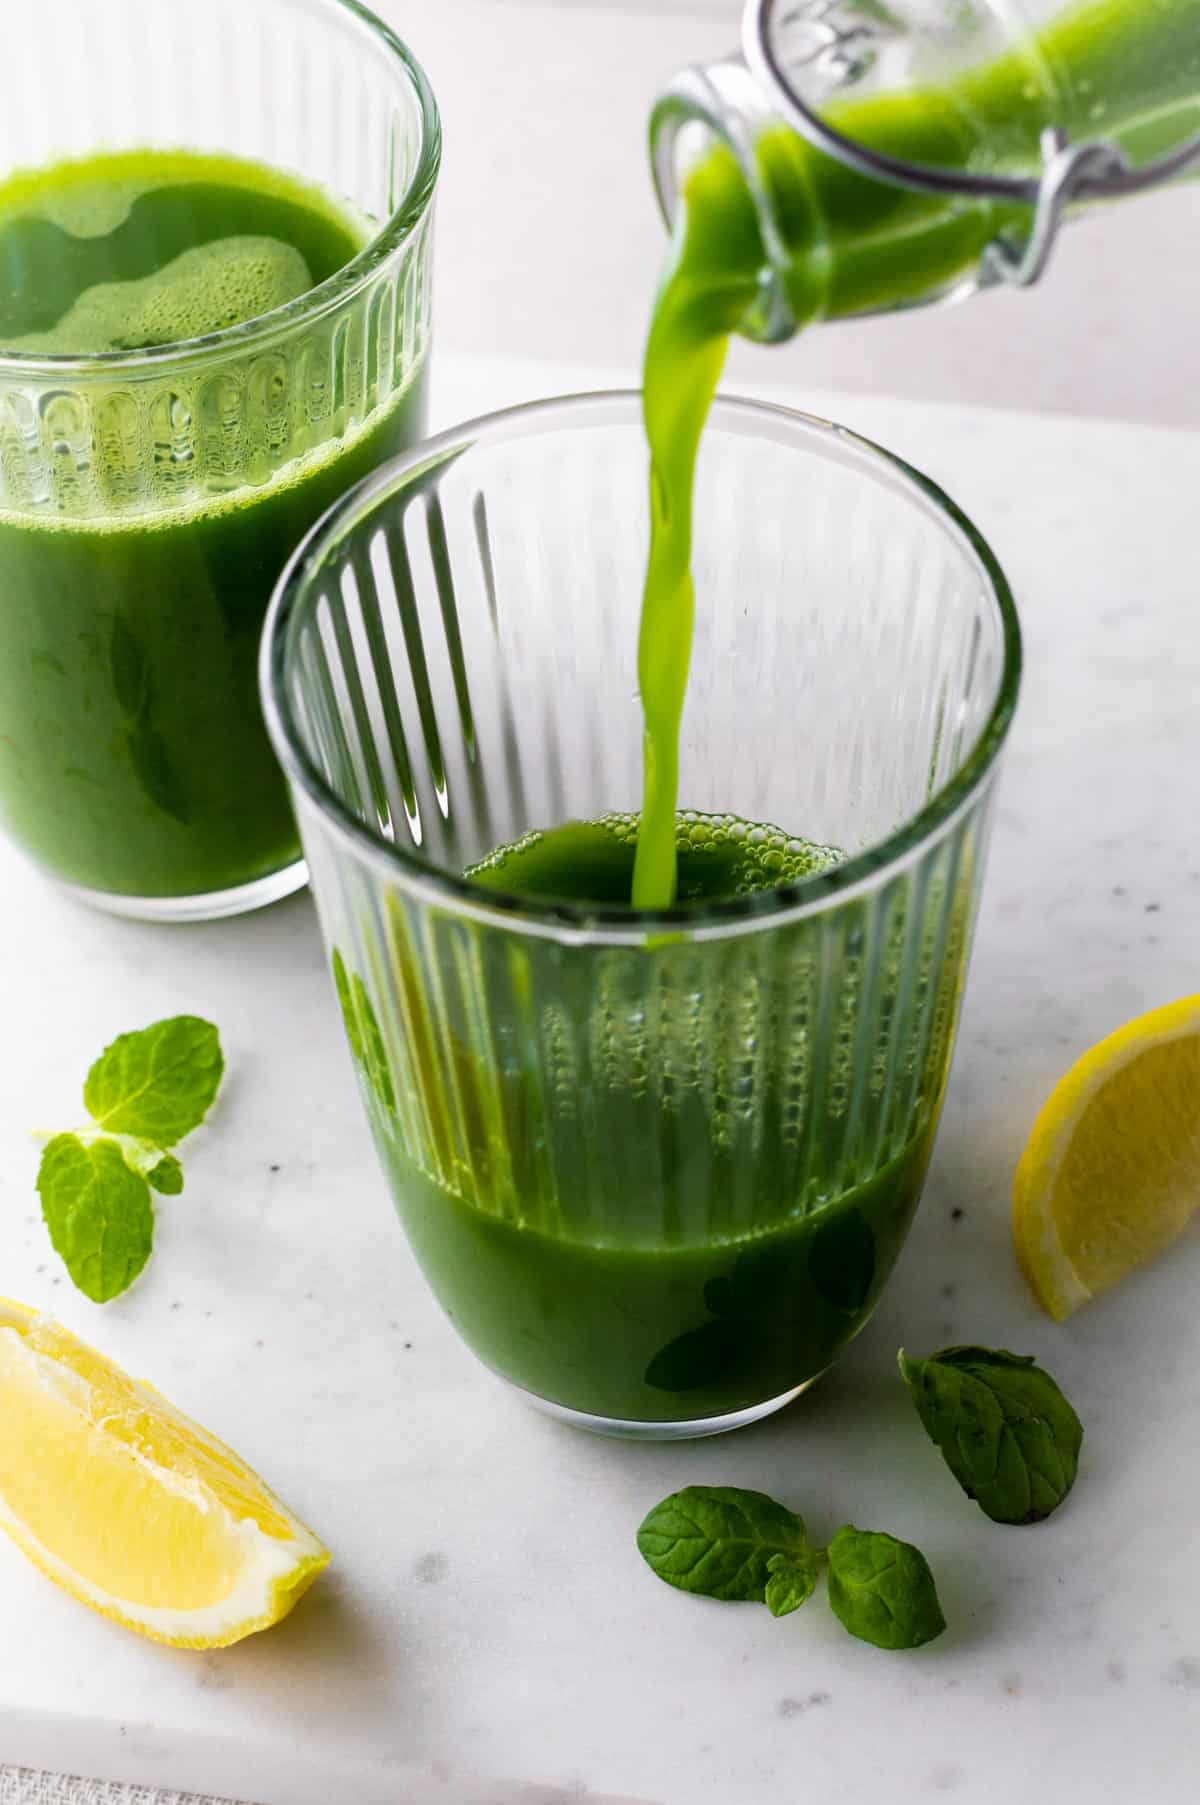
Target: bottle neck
<point>802,236</point>
<point>866,194</point>
<point>720,111</point>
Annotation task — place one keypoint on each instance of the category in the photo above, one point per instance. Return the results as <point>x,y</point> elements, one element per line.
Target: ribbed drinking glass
<point>656,1167</point>
<point>151,494</point>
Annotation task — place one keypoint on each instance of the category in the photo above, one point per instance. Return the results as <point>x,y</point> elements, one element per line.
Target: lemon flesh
<point>132,1507</point>
<point>1110,1175</point>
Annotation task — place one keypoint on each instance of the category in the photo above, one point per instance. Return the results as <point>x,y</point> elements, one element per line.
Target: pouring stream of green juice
<point>821,241</point>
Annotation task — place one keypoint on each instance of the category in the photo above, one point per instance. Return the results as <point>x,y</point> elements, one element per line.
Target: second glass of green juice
<point>656,1165</point>
<point>214,315</point>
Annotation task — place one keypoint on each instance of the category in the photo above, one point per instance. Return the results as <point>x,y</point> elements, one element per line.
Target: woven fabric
<point>22,1786</point>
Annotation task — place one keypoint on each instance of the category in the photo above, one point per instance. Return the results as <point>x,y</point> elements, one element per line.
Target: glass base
<point>689,1430</point>
<point>212,907</point>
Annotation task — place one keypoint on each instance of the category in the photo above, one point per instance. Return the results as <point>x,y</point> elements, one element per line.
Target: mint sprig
<point>146,1092</point>
<point>735,1545</point>
<point>1007,1434</point>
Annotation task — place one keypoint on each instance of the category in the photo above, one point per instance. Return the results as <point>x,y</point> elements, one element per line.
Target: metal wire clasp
<point>1069,173</point>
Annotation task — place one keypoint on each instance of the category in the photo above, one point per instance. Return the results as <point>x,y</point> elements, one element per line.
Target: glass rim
<point>563,919</point>
<point>314,303</point>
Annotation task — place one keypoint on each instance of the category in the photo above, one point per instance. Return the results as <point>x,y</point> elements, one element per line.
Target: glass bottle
<point>862,157</point>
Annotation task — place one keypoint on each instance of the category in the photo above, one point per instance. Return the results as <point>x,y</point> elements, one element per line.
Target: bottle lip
<point>723,101</point>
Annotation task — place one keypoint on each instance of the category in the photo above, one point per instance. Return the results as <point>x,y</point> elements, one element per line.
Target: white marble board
<point>488,1635</point>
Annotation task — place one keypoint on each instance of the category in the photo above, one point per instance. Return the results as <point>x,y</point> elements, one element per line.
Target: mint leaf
<point>719,1541</point>
<point>791,1580</point>
<point>1005,1430</point>
<point>98,1212</point>
<point>882,1589</point>
<point>166,1176</point>
<point>363,1032</point>
<point>157,1083</point>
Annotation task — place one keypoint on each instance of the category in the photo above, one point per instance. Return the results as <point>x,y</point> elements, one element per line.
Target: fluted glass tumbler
<point>656,1167</point>
<point>261,175</point>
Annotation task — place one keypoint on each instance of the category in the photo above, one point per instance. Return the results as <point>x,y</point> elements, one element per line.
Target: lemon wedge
<point>130,1506</point>
<point>1110,1174</point>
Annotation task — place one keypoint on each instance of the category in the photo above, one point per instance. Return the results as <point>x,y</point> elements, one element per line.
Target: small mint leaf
<point>158,1083</point>
<point>98,1212</point>
<point>792,1578</point>
<point>167,1176</point>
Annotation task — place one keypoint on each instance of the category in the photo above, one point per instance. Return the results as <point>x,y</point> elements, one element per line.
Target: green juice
<point>659,1240</point>
<point>639,1331</point>
<point>133,757</point>
<point>717,856</point>
<point>663,1334</point>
